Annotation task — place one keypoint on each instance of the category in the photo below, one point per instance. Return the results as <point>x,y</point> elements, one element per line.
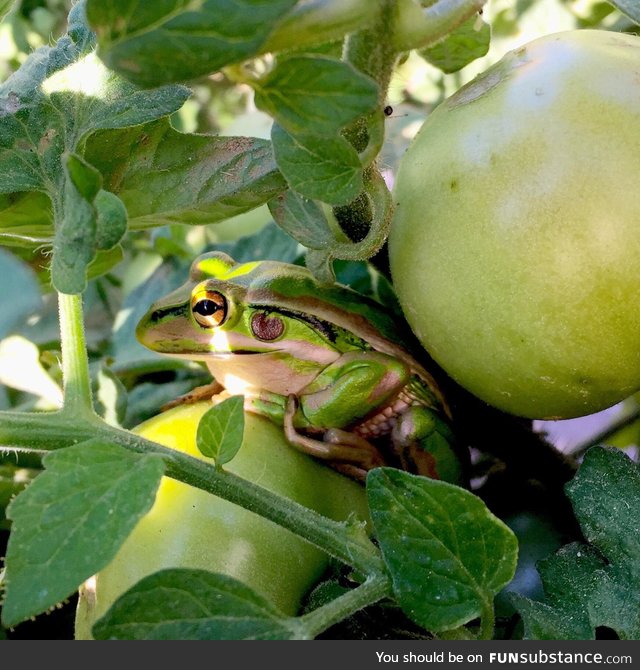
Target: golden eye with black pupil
<point>209,309</point>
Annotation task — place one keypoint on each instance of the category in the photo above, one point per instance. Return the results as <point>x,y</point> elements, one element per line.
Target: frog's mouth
<point>179,351</point>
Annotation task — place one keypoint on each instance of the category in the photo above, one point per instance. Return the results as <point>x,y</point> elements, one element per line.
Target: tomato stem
<point>53,430</point>
<point>75,365</point>
<point>371,591</point>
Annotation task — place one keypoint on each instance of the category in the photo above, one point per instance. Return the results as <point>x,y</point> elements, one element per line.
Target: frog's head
<point>215,313</point>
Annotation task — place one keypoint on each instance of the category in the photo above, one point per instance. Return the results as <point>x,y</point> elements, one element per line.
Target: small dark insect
<point>388,110</point>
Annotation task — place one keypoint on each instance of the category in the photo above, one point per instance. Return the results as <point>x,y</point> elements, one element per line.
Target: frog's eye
<point>209,308</point>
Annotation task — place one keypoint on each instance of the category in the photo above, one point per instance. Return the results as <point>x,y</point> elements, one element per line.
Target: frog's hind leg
<point>347,452</point>
<point>425,445</point>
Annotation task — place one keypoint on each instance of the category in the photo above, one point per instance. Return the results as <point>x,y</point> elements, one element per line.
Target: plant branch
<point>75,365</point>
<point>54,430</point>
<point>370,592</point>
<point>605,434</point>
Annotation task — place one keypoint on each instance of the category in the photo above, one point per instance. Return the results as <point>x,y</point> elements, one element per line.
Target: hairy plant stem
<point>371,591</point>
<point>371,52</point>
<point>75,365</point>
<point>487,621</point>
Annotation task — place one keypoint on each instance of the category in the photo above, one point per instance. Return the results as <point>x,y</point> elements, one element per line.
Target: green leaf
<point>111,223</point>
<point>466,43</point>
<point>320,264</point>
<point>20,296</point>
<point>180,604</point>
<point>5,7</point>
<point>565,616</point>
<point>49,107</point>
<point>163,176</point>
<point>75,242</point>
<point>71,521</point>
<point>319,168</point>
<point>315,94</point>
<point>629,7</point>
<point>25,219</point>
<point>221,429</point>
<point>596,585</point>
<point>173,40</point>
<point>447,554</point>
<point>605,494</point>
<point>271,244</point>
<point>110,396</point>
<point>303,219</point>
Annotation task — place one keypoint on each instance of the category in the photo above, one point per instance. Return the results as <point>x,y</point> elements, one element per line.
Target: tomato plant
<point>131,143</point>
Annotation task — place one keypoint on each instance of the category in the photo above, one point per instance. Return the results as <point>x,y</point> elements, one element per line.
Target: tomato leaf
<point>319,168</point>
<point>71,521</point>
<point>164,176</point>
<point>181,604</point>
<point>57,98</point>
<point>594,585</point>
<point>20,296</point>
<point>460,47</point>
<point>628,7</point>
<point>315,94</point>
<point>25,219</point>
<point>111,222</point>
<point>109,396</point>
<point>172,40</point>
<point>303,219</point>
<point>569,577</point>
<point>447,554</point>
<point>5,7</point>
<point>221,429</point>
<point>270,243</point>
<point>75,241</point>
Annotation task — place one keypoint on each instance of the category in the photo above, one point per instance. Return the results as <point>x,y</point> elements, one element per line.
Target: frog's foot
<point>195,395</point>
<point>347,452</point>
<point>425,445</point>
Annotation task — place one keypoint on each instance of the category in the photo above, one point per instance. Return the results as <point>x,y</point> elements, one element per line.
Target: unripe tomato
<point>190,528</point>
<point>515,245</point>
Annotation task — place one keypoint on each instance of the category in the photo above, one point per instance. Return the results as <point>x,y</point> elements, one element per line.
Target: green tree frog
<point>322,361</point>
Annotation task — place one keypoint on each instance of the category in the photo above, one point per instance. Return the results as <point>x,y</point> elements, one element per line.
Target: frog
<point>326,363</point>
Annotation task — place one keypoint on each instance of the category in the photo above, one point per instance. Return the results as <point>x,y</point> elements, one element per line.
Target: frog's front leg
<point>205,392</point>
<point>348,453</point>
<point>352,388</point>
<point>424,444</point>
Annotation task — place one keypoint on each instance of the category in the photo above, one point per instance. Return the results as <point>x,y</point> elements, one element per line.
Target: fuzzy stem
<point>75,364</point>
<point>347,543</point>
<point>368,593</point>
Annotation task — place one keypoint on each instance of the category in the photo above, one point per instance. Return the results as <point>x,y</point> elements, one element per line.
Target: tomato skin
<point>190,528</point>
<point>515,242</point>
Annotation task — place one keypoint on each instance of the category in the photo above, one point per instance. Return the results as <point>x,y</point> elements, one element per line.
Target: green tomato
<point>190,528</point>
<point>515,245</point>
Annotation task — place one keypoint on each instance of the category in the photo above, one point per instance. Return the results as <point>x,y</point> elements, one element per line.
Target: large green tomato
<point>515,247</point>
<point>190,528</point>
